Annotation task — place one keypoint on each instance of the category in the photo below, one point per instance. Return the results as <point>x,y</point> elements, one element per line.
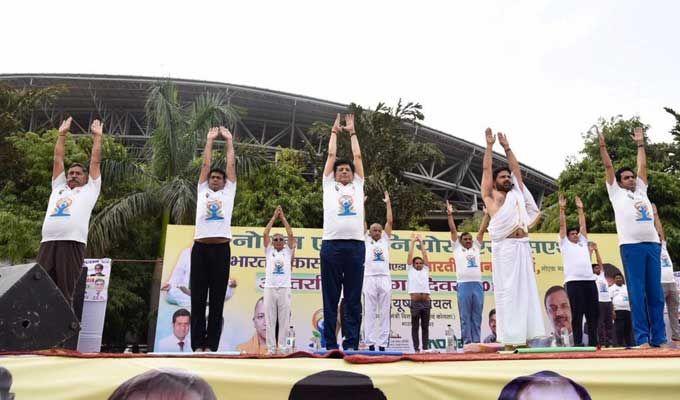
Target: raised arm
<point>598,258</point>
<point>583,229</point>
<point>411,247</point>
<point>658,225</point>
<point>265,235</point>
<point>606,160</point>
<point>563,218</point>
<point>513,164</point>
<point>452,223</point>
<point>289,230</point>
<point>639,138</point>
<point>487,170</point>
<point>60,148</point>
<point>207,155</point>
<point>97,129</point>
<point>388,211</point>
<point>231,157</point>
<point>483,226</point>
<point>426,260</point>
<point>356,150</point>
<point>332,146</point>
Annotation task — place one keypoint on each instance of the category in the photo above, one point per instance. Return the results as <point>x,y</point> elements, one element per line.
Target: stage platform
<point>604,374</point>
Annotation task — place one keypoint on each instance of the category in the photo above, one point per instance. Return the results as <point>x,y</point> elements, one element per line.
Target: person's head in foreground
<point>164,384</point>
<point>335,385</point>
<point>558,308</point>
<point>544,385</point>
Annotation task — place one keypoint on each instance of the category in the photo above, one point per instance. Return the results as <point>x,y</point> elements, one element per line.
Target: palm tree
<point>168,182</point>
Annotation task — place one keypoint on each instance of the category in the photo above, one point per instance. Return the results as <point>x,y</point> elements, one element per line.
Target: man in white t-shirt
<point>622,316</point>
<point>377,282</point>
<point>605,326</point>
<point>180,340</point>
<point>638,242</point>
<point>211,254</point>
<point>579,281</point>
<point>670,288</point>
<point>64,230</point>
<point>277,294</point>
<point>343,247</point>
<point>466,254</point>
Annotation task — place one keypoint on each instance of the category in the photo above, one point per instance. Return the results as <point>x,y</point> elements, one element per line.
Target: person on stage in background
<point>211,253</point>
<point>605,325</point>
<point>579,280</point>
<point>178,284</point>
<point>638,242</point>
<point>466,253</point>
<point>622,316</point>
<point>64,231</point>
<point>277,295</point>
<point>513,210</point>
<point>670,288</point>
<point>343,247</point>
<point>377,282</point>
<point>492,325</point>
<point>418,286</point>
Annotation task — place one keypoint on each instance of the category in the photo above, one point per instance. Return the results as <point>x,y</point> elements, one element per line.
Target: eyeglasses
<point>277,240</point>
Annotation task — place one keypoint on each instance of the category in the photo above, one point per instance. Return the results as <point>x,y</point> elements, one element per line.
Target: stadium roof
<point>273,118</point>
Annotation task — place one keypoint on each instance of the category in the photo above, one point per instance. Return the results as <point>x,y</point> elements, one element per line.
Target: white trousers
<point>518,306</point>
<point>276,308</point>
<point>377,290</point>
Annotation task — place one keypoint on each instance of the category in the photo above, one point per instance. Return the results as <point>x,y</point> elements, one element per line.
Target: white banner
<point>94,306</point>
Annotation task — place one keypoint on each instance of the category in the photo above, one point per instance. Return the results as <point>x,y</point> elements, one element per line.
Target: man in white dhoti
<point>513,210</point>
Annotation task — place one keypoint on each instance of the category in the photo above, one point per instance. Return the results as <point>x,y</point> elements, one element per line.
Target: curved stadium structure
<point>274,119</point>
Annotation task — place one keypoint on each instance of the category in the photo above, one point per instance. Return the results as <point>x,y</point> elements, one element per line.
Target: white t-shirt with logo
<point>468,261</point>
<point>69,210</point>
<point>634,214</point>
<point>213,211</point>
<point>418,281</point>
<point>619,296</point>
<point>377,260</point>
<point>343,209</point>
<point>278,267</point>
<point>576,260</point>
<point>602,288</point>
<point>666,265</point>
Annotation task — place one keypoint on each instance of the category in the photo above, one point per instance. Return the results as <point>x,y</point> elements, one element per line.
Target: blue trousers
<point>642,266</point>
<point>342,270</point>
<point>470,304</point>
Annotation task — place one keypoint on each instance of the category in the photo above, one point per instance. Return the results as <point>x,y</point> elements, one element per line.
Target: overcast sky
<point>541,71</point>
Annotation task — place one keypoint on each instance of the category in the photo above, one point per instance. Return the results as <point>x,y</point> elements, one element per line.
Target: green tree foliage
<point>585,177</point>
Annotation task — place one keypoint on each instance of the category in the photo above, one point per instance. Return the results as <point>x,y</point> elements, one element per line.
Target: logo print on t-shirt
<point>278,267</point>
<point>665,262</point>
<point>642,212</point>
<point>378,254</point>
<point>603,287</point>
<point>346,206</point>
<point>471,261</point>
<point>214,211</point>
<point>62,207</point>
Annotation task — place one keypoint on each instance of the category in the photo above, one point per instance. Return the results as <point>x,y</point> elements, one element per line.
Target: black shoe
<point>380,348</point>
<point>371,348</point>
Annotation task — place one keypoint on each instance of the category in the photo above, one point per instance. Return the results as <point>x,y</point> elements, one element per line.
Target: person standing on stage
<point>64,230</point>
<point>605,326</point>
<point>513,210</point>
<point>466,253</point>
<point>638,242</point>
<point>670,288</point>
<point>211,253</point>
<point>277,295</point>
<point>579,281</point>
<point>622,315</point>
<point>418,286</point>
<point>343,247</point>
<point>377,282</point>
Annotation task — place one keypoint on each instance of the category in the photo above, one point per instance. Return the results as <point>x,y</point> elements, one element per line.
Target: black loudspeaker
<point>34,315</point>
